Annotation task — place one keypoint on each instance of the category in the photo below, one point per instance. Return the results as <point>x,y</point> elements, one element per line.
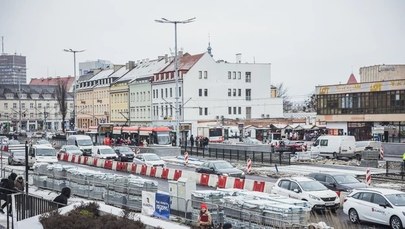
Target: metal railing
<point>27,206</point>
<point>282,158</point>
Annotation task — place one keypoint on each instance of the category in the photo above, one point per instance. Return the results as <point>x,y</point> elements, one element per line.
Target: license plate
<point>329,203</point>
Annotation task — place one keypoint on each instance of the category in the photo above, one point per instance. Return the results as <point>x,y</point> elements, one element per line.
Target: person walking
<point>204,218</point>
<point>7,188</point>
<point>19,184</point>
<point>63,197</point>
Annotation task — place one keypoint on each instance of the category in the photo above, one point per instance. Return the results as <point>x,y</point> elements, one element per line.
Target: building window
<point>22,105</point>
<point>205,92</point>
<point>200,92</point>
<point>248,94</point>
<point>166,92</point>
<point>180,91</point>
<point>153,93</point>
<point>161,92</point>
<point>200,75</point>
<point>31,115</point>
<point>239,75</point>
<point>5,106</point>
<point>239,92</point>
<point>229,110</point>
<point>206,111</point>
<point>48,105</point>
<point>234,110</point>
<point>239,110</point>
<point>14,105</point>
<point>229,75</point>
<point>205,74</point>
<point>229,92</point>
<point>234,92</point>
<point>171,92</point>
<point>201,111</point>
<point>248,77</point>
<point>234,75</point>
<point>31,105</point>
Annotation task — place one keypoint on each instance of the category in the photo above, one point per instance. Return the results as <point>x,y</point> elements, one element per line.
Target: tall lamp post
<point>74,83</point>
<point>176,71</point>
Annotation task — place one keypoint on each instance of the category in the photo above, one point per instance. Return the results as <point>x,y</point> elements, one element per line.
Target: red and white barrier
<point>186,158</point>
<point>368,177</point>
<point>381,153</point>
<point>249,166</point>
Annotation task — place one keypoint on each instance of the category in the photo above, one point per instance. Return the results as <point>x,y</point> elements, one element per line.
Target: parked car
<point>220,167</point>
<point>151,159</point>
<point>16,158</point>
<point>104,152</point>
<point>376,205</point>
<point>11,143</point>
<point>71,150</point>
<point>339,182</point>
<point>318,196</point>
<point>124,153</point>
<point>84,143</point>
<point>295,146</point>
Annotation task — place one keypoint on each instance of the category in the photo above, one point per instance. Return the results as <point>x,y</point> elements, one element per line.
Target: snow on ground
<point>33,223</point>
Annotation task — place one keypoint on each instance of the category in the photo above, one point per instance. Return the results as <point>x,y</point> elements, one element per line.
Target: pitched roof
<point>186,62</point>
<point>53,81</point>
<point>352,79</point>
<point>144,69</point>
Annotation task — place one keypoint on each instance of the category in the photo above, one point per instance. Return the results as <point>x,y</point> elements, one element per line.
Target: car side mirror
<point>296,190</point>
<point>332,184</point>
<point>383,205</point>
<point>117,151</point>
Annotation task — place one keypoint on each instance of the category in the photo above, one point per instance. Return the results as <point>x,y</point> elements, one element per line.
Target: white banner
<point>148,203</point>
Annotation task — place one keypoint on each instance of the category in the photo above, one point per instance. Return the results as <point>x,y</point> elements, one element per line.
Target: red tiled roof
<point>352,79</point>
<point>53,81</point>
<point>185,63</point>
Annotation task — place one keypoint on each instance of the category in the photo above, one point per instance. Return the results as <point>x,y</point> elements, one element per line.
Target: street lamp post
<point>74,82</point>
<point>176,71</point>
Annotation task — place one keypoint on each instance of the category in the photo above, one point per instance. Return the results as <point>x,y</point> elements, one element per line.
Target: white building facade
<point>210,90</point>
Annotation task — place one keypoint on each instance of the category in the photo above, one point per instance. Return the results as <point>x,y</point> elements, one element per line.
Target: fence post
<point>280,153</point>
<point>271,157</point>
<point>209,152</point>
<point>245,155</point>
<point>223,153</point>
<point>216,153</point>
<point>402,171</point>
<point>197,150</point>
<point>262,157</point>
<point>237,155</point>
<point>203,151</point>
<point>386,168</point>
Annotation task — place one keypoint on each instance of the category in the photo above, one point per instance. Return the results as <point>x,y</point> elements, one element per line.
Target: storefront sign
<point>162,206</point>
<point>361,87</point>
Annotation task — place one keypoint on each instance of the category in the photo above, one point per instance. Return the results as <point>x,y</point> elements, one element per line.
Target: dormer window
<point>23,96</point>
<point>46,96</point>
<point>9,96</point>
<point>34,96</point>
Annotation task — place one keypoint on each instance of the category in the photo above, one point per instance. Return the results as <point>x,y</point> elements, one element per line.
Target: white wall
<point>337,125</point>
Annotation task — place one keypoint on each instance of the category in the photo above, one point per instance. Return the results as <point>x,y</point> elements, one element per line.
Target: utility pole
<point>176,72</point>
<point>45,116</point>
<point>74,82</point>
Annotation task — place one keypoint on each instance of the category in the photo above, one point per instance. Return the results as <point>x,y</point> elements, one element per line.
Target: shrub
<point>88,216</point>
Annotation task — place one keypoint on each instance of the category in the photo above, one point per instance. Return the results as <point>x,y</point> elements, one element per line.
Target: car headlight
<point>243,173</point>
<point>314,197</point>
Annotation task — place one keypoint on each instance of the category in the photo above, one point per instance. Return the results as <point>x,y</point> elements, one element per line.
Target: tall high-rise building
<point>13,69</point>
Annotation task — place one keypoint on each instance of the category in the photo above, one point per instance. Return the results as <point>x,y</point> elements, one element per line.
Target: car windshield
<point>19,153</point>
<point>345,179</point>
<point>124,149</point>
<point>71,147</point>
<point>84,142</point>
<point>397,199</point>
<point>46,152</point>
<point>151,157</point>
<point>223,165</point>
<point>43,142</point>
<point>106,151</point>
<point>312,186</point>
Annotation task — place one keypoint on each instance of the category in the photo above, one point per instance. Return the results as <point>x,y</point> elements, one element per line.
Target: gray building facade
<point>13,69</point>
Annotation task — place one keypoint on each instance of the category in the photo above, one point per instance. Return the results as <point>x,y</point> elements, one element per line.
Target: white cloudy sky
<point>308,42</point>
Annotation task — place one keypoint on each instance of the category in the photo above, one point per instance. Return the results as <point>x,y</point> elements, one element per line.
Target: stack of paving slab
<point>254,207</point>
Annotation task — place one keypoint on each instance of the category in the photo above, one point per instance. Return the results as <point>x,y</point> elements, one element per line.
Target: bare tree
<point>282,93</point>
<point>311,103</point>
<point>61,95</point>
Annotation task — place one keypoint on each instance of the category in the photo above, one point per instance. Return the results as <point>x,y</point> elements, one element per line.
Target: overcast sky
<point>309,43</point>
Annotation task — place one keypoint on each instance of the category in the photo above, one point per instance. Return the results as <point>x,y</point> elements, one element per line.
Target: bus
<point>220,134</point>
<point>157,136</point>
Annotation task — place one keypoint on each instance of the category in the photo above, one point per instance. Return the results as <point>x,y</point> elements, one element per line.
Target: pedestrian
<point>19,184</point>
<point>227,226</point>
<point>7,186</point>
<point>204,218</point>
<point>63,197</point>
<point>192,141</point>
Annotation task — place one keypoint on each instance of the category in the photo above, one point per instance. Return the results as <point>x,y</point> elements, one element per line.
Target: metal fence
<point>240,155</point>
<point>27,206</point>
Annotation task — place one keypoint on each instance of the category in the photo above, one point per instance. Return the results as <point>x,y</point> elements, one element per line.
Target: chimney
<point>166,58</point>
<point>130,65</point>
<point>238,57</point>
<point>180,54</point>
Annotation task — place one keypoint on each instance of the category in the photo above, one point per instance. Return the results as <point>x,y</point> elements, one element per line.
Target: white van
<point>334,146</point>
<point>104,152</point>
<point>41,154</point>
<point>84,143</point>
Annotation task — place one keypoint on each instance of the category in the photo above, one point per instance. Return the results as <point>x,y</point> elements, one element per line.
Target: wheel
<point>395,222</point>
<point>335,156</point>
<point>353,216</point>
